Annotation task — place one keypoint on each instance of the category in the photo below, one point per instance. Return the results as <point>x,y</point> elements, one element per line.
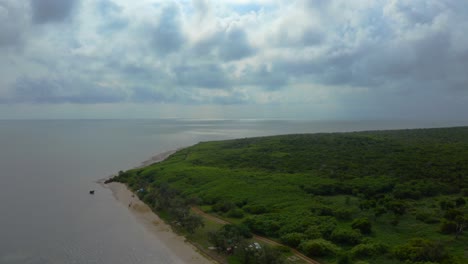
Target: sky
<point>302,59</point>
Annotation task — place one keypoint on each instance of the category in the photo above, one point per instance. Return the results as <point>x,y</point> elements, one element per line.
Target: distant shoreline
<point>183,251</point>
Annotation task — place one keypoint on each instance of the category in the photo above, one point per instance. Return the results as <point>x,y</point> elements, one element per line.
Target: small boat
<point>91,192</point>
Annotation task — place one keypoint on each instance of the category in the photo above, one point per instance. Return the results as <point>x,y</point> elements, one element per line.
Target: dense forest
<point>362,197</point>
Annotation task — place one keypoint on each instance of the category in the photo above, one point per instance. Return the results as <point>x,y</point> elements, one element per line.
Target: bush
<point>323,211</point>
<point>419,249</point>
<point>228,236</point>
<point>348,237</point>
<point>282,249</point>
<point>363,225</point>
<point>344,214</point>
<point>344,258</point>
<point>313,232</point>
<point>448,227</point>
<point>464,191</point>
<point>427,218</point>
<point>452,214</point>
<point>460,202</point>
<point>263,226</point>
<point>445,205</point>
<point>235,213</point>
<point>222,206</point>
<point>318,248</point>
<point>293,239</point>
<point>368,250</point>
<point>255,209</point>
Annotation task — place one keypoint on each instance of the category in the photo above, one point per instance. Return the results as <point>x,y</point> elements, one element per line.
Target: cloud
<point>349,54</point>
<point>50,11</point>
<point>143,94</point>
<point>208,76</point>
<point>52,91</point>
<point>167,35</point>
<point>13,22</point>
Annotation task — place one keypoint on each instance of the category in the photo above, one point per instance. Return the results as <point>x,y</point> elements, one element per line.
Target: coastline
<point>182,250</point>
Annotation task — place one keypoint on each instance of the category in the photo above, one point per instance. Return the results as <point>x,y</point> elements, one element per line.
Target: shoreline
<point>178,245</point>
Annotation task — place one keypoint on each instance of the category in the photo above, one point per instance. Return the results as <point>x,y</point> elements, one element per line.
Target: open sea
<point>47,168</point>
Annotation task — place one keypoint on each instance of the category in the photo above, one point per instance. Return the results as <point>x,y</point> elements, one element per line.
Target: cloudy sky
<point>315,59</point>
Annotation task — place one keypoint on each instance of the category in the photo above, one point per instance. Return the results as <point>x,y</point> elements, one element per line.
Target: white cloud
<point>232,52</point>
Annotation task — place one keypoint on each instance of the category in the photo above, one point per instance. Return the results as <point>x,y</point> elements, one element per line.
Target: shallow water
<point>48,167</point>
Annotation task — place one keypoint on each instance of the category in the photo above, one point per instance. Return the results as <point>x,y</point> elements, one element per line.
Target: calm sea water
<point>47,168</point>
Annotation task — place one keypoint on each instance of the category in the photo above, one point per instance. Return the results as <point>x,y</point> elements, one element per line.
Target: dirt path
<point>264,239</point>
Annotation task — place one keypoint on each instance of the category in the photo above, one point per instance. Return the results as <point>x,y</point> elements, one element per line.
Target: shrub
<point>255,209</point>
<point>452,214</point>
<point>368,250</point>
<point>263,226</point>
<point>243,230</point>
<point>448,227</point>
<point>235,213</point>
<point>228,236</point>
<point>445,205</point>
<point>343,214</point>
<point>323,211</point>
<point>344,258</point>
<point>318,248</point>
<point>419,249</point>
<point>293,239</point>
<point>460,202</point>
<point>363,225</point>
<point>313,232</point>
<point>402,191</point>
<point>427,218</point>
<point>222,206</point>
<point>343,236</point>
<point>464,191</point>
<point>283,249</point>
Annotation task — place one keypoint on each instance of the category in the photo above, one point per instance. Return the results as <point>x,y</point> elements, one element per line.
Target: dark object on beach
<point>91,192</point>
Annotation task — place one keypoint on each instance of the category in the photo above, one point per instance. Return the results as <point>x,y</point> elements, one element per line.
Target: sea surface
<point>47,168</point>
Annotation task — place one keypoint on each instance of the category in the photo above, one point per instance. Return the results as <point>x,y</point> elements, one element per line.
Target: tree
<point>192,222</point>
<point>318,248</point>
<point>293,239</point>
<point>461,223</point>
<point>460,202</point>
<point>420,250</point>
<point>228,236</point>
<point>363,225</point>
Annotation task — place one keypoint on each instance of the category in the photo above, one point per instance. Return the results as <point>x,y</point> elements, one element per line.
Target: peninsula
<point>363,197</point>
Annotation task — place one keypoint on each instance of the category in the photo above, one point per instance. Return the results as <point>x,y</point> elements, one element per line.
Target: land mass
<point>363,197</point>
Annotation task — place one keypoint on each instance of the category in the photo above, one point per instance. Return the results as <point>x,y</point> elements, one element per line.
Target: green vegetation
<point>363,197</point>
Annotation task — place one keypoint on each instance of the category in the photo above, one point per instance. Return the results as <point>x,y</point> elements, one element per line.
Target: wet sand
<point>183,251</point>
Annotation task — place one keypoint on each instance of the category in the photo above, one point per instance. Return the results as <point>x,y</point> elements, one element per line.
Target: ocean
<point>47,168</point>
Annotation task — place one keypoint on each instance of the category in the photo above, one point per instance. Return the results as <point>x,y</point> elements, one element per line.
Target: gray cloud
<point>167,36</point>
<point>45,11</point>
<point>203,8</point>
<point>52,91</point>
<point>209,76</point>
<point>13,22</point>
<point>415,54</point>
<point>268,79</point>
<point>142,94</point>
<point>228,44</point>
<point>346,53</point>
<point>234,45</point>
<point>113,20</point>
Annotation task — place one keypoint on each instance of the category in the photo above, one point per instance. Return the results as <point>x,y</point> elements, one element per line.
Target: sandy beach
<point>183,251</point>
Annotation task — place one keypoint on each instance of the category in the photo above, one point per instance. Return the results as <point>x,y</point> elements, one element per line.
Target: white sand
<point>183,250</point>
